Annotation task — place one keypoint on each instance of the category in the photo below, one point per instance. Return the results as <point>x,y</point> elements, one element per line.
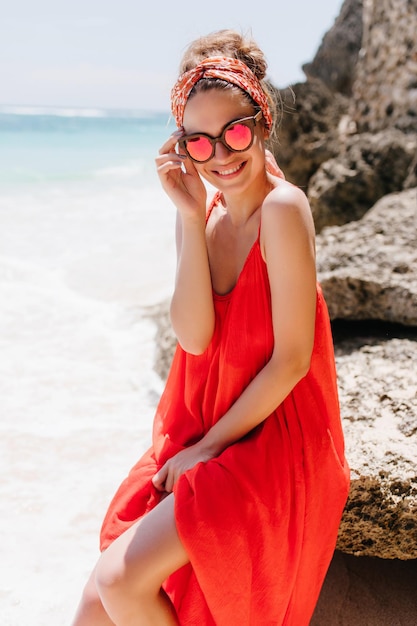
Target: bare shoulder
<point>286,217</point>
<point>287,201</point>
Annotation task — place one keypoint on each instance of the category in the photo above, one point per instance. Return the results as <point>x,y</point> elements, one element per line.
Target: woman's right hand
<point>180,179</point>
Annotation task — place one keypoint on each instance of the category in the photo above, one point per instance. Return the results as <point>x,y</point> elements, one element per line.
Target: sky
<point>126,53</point>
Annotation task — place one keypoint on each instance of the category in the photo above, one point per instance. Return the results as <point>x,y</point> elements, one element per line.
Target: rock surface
<point>385,86</point>
<point>308,133</point>
<point>368,268</point>
<point>368,167</point>
<point>346,153</point>
<point>378,397</point>
<point>368,271</point>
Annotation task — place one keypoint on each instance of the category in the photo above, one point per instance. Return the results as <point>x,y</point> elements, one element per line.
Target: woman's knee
<point>138,562</point>
<point>110,574</point>
<point>118,574</point>
<point>90,610</point>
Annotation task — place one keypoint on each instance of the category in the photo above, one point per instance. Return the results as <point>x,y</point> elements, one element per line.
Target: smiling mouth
<point>230,171</point>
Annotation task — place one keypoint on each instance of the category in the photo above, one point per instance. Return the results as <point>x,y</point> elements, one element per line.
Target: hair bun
<point>226,43</point>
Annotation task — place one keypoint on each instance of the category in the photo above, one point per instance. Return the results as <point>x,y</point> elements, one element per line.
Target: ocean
<point>86,246</point>
<point>86,238</point>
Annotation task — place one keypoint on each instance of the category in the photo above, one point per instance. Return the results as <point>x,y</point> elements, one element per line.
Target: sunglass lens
<point>199,148</point>
<point>238,136</point>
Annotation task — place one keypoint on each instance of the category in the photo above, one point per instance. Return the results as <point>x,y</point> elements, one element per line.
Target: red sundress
<point>260,521</point>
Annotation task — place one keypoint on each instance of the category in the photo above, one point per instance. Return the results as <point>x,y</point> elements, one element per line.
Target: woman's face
<point>209,112</point>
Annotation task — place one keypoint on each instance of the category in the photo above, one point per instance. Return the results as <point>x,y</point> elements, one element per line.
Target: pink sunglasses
<point>237,136</point>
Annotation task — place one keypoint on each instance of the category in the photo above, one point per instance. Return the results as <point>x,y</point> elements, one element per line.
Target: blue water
<point>45,145</point>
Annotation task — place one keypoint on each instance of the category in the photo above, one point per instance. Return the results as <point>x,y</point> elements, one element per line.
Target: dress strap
<point>214,202</point>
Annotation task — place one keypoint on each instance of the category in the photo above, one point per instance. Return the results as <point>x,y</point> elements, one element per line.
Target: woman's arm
<point>192,308</point>
<point>287,240</point>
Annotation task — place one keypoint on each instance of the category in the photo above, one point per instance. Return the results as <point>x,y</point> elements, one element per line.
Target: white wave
<point>128,170</point>
<point>84,112</point>
<point>56,111</point>
<point>70,362</point>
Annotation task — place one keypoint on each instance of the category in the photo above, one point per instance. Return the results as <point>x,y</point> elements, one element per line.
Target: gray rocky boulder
<point>347,152</point>
<point>385,85</point>
<point>378,395</point>
<point>368,271</point>
<point>308,134</point>
<point>367,167</point>
<point>316,111</point>
<point>368,268</point>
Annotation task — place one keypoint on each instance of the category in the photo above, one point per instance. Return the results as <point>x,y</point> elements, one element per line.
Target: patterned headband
<point>228,69</point>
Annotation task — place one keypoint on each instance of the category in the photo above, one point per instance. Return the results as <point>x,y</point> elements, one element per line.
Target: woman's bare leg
<point>90,610</point>
<point>131,571</point>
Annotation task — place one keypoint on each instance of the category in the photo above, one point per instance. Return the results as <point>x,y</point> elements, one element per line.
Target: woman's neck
<point>240,207</point>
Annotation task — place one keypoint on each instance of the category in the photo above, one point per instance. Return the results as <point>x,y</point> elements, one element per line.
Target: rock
<point>378,397</point>
<point>165,338</point>
<point>368,271</point>
<point>336,58</point>
<point>308,134</point>
<point>315,113</point>
<point>368,167</point>
<point>349,153</point>
<point>368,268</point>
<point>385,89</point>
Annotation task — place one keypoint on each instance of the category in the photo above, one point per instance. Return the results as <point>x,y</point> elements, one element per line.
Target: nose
<point>221,151</point>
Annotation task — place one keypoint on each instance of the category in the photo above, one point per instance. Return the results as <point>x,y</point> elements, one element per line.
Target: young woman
<point>231,517</point>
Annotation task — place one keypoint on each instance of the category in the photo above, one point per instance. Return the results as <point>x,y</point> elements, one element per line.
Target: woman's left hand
<point>170,472</point>
<point>272,166</point>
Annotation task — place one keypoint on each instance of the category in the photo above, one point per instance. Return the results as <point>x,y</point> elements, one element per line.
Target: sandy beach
<point>52,503</point>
